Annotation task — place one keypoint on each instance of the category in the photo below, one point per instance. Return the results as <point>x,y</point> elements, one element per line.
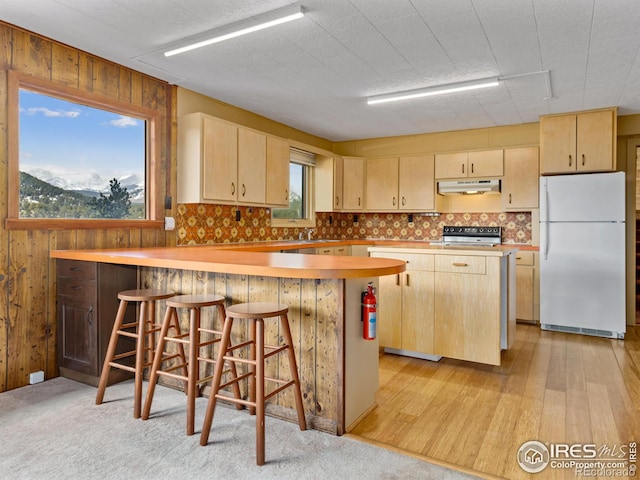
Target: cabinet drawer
<point>461,264</point>
<point>77,269</point>
<point>415,261</point>
<point>77,287</point>
<point>524,258</point>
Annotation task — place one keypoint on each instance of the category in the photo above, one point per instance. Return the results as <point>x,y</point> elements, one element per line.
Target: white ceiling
<point>314,74</point>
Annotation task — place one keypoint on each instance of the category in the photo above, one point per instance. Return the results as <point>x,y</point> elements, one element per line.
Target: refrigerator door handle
<point>545,250</point>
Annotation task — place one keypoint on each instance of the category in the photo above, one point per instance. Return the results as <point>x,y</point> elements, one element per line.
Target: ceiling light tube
<point>437,90</point>
<point>254,24</point>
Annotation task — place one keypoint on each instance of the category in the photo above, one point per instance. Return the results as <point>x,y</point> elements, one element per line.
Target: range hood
<point>468,187</point>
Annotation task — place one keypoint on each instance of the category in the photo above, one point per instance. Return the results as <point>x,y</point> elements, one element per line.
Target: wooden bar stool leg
<point>259,389</point>
<point>293,367</point>
<point>215,382</point>
<point>193,374</point>
<point>232,366</point>
<point>111,351</point>
<point>252,367</point>
<point>157,360</point>
<point>140,359</point>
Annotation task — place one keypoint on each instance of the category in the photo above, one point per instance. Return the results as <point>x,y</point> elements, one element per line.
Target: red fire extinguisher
<point>369,313</point>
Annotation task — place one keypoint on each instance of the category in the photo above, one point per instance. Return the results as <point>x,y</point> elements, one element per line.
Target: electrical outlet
<point>169,223</point>
<point>36,377</point>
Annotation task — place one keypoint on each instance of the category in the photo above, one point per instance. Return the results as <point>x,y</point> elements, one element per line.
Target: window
<point>300,210</point>
<point>74,156</point>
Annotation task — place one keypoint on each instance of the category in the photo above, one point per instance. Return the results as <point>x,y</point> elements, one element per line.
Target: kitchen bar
<point>338,369</point>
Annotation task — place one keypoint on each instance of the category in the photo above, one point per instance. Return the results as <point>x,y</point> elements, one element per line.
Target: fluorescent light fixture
<point>437,90</point>
<point>253,24</point>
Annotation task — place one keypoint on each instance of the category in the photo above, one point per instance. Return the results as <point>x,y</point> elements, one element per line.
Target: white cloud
<point>124,122</point>
<point>52,113</point>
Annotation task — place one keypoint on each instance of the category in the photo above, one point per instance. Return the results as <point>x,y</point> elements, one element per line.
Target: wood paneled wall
<point>316,316</point>
<point>27,275</point>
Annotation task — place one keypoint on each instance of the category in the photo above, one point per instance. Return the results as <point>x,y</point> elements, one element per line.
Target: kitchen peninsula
<point>338,369</point>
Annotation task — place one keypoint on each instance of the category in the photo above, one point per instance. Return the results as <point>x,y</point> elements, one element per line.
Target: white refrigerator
<point>582,254</point>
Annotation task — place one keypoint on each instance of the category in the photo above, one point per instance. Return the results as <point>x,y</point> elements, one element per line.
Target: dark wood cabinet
<point>87,300</point>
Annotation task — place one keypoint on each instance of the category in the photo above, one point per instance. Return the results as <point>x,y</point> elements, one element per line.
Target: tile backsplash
<point>199,224</point>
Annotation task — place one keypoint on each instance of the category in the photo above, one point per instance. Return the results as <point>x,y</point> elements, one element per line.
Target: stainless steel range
<point>476,236</point>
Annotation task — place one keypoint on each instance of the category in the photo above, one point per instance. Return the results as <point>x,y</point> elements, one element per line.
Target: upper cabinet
<point>580,142</point>
<point>328,180</point>
<point>400,183</point>
<point>520,181</point>
<point>382,184</point>
<point>252,166</point>
<point>483,163</point>
<point>221,162</point>
<point>353,183</point>
<point>277,188</point>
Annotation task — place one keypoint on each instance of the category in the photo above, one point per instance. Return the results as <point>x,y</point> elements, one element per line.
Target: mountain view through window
<point>78,161</point>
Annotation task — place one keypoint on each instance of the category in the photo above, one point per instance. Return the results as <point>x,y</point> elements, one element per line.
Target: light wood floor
<point>551,387</point>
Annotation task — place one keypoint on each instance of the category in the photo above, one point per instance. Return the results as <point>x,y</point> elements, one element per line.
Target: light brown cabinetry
<point>382,184</point>
<point>343,250</point>
<point>468,298</point>
<point>482,163</point>
<point>278,159</point>
<point>400,183</point>
<point>252,165</point>
<point>353,175</point>
<point>220,162</point>
<point>580,142</point>
<point>527,290</point>
<point>406,302</point>
<point>87,302</point>
<point>520,182</point>
<point>328,174</point>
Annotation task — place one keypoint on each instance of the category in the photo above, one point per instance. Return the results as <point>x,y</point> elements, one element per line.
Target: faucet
<point>308,231</point>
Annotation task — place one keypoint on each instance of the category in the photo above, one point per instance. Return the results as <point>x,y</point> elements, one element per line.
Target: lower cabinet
<point>527,281</point>
<point>406,304</point>
<point>447,305</point>
<point>343,250</point>
<point>468,308</point>
<point>87,303</point>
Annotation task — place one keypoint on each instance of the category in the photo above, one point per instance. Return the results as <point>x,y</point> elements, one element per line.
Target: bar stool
<point>193,339</point>
<point>142,331</point>
<point>258,353</point>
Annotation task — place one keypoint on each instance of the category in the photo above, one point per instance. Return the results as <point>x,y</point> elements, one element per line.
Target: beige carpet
<point>53,430</point>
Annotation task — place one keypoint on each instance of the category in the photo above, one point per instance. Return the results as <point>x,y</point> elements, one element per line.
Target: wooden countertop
<point>239,259</point>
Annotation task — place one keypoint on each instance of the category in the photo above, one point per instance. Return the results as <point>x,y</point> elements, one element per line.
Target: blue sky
<point>72,139</point>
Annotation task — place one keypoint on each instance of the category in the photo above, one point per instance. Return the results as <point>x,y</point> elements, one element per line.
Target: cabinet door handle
<point>460,264</point>
<point>244,189</point>
<point>90,316</point>
<point>233,188</point>
<point>472,168</point>
<point>570,160</point>
<point>463,168</point>
<point>407,280</point>
<point>583,159</point>
<point>358,201</point>
<point>509,198</point>
<point>394,201</point>
<point>286,195</point>
<point>397,279</point>
<point>76,288</point>
<point>403,201</point>
<point>75,269</point>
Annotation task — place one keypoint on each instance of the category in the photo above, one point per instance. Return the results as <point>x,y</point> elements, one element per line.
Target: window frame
<point>17,81</point>
<point>310,214</point>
